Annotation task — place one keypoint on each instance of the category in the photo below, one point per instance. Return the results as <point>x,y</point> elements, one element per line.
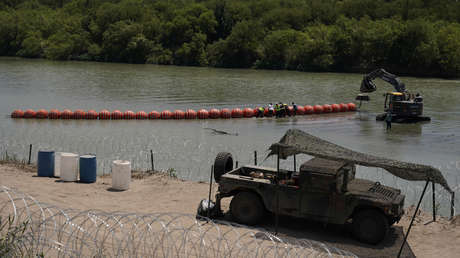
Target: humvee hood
<point>296,141</point>
<point>374,190</point>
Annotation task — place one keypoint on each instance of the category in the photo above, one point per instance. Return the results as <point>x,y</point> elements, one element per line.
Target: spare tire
<point>222,164</point>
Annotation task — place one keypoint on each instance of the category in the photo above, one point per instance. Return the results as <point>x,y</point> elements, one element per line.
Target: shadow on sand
<point>292,229</point>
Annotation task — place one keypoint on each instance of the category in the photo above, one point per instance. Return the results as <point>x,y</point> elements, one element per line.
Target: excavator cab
<point>403,105</point>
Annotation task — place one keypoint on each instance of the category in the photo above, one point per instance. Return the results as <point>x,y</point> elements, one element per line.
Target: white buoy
<point>121,174</point>
<point>68,167</point>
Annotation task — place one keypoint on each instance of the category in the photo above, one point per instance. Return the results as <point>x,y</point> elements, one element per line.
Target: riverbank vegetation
<point>412,37</point>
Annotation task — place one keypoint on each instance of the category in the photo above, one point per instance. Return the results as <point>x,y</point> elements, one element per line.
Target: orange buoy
<point>41,114</point>
<point>318,109</point>
<point>154,115</point>
<point>203,114</point>
<point>30,113</point>
<point>178,114</point>
<point>141,115</point>
<point>309,110</point>
<point>237,113</point>
<point>54,114</point>
<point>248,112</point>
<point>343,107</point>
<point>290,110</point>
<point>17,114</point>
<point>214,113</point>
<point>300,110</point>
<point>267,113</point>
<point>67,114</point>
<point>351,106</point>
<point>104,114</point>
<point>190,114</point>
<point>327,108</point>
<point>335,108</point>
<point>116,114</point>
<point>79,114</point>
<point>165,114</point>
<point>91,114</point>
<point>129,115</point>
<point>225,113</point>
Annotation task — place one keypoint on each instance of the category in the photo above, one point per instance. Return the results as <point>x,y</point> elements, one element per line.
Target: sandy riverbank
<point>161,193</point>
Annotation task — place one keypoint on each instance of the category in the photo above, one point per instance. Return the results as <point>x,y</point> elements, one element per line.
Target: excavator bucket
<point>367,85</point>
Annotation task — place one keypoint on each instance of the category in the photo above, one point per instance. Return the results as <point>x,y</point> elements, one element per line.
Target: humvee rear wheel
<point>222,164</point>
<point>370,226</point>
<point>247,208</point>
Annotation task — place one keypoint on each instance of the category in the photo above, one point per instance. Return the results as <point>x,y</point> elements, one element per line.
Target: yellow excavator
<point>403,106</point>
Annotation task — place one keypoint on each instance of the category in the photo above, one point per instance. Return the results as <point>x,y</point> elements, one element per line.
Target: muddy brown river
<point>188,148</point>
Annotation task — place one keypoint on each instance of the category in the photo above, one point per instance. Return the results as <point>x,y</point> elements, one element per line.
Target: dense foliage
<point>418,37</point>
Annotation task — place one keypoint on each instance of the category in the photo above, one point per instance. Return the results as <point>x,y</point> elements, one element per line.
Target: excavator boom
<point>368,85</point>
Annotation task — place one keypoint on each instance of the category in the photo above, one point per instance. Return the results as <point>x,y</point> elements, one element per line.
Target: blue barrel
<point>45,163</point>
<point>88,167</point>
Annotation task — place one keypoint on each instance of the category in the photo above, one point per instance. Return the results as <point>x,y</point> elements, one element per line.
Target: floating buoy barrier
<point>309,110</point>
<point>327,108</point>
<point>351,106</point>
<point>41,114</point>
<point>91,114</point>
<point>154,115</point>
<point>213,113</point>
<point>129,115</point>
<point>54,114</point>
<point>179,114</point>
<point>318,109</point>
<point>203,114</point>
<point>190,114</point>
<point>166,114</point>
<point>116,115</point>
<point>343,107</point>
<point>79,114</point>
<point>237,113</point>
<point>248,112</point>
<point>225,113</point>
<point>142,115</point>
<point>104,115</point>
<point>17,114</point>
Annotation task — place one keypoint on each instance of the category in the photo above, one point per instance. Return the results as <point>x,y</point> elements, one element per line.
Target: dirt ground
<point>160,193</point>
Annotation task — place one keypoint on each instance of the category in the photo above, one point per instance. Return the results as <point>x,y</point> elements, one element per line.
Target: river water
<point>189,148</point>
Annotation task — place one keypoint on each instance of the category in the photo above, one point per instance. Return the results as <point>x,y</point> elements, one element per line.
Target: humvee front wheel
<point>247,208</point>
<point>370,226</point>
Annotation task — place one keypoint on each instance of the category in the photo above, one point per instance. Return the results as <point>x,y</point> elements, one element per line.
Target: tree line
<point>412,37</point>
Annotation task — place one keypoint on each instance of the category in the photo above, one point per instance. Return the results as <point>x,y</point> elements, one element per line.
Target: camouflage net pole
<point>57,232</point>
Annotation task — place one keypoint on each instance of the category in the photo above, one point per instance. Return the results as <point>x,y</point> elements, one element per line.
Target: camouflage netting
<point>296,141</point>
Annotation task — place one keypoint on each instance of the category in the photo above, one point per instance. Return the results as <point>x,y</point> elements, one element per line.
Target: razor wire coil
<point>57,232</point>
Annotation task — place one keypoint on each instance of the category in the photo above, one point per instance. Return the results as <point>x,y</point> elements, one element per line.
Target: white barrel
<point>57,164</point>
<point>69,167</point>
<point>121,174</point>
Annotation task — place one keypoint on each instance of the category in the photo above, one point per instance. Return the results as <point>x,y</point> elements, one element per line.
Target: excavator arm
<point>368,85</point>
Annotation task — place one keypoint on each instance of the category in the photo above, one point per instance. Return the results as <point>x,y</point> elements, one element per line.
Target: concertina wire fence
<point>55,232</point>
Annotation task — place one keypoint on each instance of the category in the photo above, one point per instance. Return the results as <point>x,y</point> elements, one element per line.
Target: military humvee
<point>323,190</point>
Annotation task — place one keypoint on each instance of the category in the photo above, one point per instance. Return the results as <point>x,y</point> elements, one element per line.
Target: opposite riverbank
<point>160,192</point>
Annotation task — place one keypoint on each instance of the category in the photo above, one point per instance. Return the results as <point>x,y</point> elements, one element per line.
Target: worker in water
<point>271,110</point>
<point>294,107</point>
<point>388,120</point>
<point>286,110</point>
<point>260,112</point>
